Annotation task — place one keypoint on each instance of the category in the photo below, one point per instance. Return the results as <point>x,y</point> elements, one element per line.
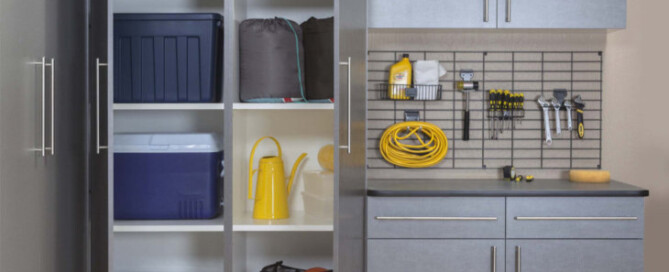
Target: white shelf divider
<point>207,225</point>
<point>169,106</point>
<point>283,106</point>
<point>298,222</point>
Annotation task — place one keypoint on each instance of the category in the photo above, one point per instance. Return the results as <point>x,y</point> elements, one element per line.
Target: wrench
<point>547,124</point>
<point>567,104</point>
<point>557,106</point>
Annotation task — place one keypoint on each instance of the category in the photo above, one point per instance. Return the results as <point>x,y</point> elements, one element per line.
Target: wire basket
<point>409,92</point>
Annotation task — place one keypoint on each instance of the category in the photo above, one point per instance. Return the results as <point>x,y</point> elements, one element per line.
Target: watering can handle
<point>253,151</point>
<point>292,172</point>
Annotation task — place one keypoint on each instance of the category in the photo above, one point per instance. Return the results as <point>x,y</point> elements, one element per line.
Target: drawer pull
<point>557,218</point>
<point>405,218</point>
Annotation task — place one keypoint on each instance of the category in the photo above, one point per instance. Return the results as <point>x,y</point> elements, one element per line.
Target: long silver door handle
<point>508,11</point>
<point>576,218</point>
<point>486,11</point>
<point>348,65</point>
<point>43,64</point>
<point>53,107</point>
<point>518,260</point>
<point>98,64</point>
<point>428,218</point>
<point>494,259</point>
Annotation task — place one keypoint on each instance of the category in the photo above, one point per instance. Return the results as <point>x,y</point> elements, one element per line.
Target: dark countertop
<point>481,187</point>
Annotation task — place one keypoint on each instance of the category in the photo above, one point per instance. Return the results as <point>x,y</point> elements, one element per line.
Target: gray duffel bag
<point>271,61</point>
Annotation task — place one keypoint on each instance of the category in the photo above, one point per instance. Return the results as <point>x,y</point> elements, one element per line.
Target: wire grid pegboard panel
<point>533,73</point>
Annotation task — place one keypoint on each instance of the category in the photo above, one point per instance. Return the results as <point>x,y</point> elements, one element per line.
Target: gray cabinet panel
<point>434,217</point>
<point>432,14</point>
<point>575,255</point>
<point>350,122</point>
<point>562,13</point>
<point>575,217</point>
<point>389,255</point>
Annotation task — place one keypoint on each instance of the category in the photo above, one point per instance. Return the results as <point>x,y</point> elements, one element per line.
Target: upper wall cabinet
<point>562,13</point>
<point>565,14</point>
<point>432,14</point>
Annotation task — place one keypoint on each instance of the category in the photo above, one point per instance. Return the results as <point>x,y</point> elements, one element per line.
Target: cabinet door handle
<point>43,148</point>
<point>494,259</point>
<point>574,218</point>
<point>518,260</point>
<point>98,64</point>
<point>348,65</point>
<point>412,218</point>
<point>508,11</point>
<point>486,11</point>
<point>53,107</point>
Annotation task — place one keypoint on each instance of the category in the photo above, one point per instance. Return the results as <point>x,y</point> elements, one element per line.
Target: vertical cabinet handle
<point>53,107</point>
<point>494,259</point>
<point>508,11</point>
<point>518,260</point>
<point>98,64</point>
<point>348,65</point>
<point>486,11</point>
<point>43,148</point>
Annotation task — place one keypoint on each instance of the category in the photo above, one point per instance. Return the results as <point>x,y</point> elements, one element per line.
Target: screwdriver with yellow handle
<point>579,105</point>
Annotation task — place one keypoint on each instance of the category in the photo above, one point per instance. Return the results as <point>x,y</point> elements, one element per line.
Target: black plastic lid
<point>167,16</point>
<point>405,56</point>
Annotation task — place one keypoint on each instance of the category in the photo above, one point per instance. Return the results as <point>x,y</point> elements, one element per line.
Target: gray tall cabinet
<point>42,135</point>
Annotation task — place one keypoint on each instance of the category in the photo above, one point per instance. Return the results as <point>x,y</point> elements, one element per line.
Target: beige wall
<point>636,103</point>
<point>636,146</point>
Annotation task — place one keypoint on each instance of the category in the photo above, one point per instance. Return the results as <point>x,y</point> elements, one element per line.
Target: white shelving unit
<point>212,225</point>
<point>298,221</point>
<point>283,106</point>
<point>169,106</point>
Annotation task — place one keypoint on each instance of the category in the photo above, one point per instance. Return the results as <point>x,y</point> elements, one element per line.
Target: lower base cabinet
<point>402,255</point>
<point>574,255</point>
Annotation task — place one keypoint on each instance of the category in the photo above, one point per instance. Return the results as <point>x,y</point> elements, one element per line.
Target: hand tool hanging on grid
<point>505,109</point>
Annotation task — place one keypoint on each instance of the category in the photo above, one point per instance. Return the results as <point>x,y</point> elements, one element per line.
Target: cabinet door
<point>432,14</point>
<point>25,203</point>
<point>350,120</point>
<point>66,111</point>
<point>562,13</point>
<point>99,117</point>
<point>574,255</point>
<point>389,255</point>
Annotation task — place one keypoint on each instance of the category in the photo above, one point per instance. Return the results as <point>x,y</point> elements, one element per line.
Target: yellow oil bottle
<point>400,79</point>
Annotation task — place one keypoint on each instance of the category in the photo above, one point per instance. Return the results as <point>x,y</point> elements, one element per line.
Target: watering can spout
<point>292,172</point>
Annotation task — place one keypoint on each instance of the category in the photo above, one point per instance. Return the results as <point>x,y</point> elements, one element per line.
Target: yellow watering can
<point>271,191</point>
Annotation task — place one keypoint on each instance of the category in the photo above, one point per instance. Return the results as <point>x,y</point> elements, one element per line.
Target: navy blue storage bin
<point>167,176</point>
<point>167,58</point>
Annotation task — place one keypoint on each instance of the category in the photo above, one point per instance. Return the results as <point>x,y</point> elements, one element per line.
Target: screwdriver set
<point>505,109</point>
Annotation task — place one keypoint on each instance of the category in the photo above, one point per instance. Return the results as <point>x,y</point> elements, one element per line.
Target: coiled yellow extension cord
<point>425,153</point>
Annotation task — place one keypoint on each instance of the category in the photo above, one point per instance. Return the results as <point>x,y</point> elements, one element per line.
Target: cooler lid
<point>167,16</point>
<point>167,143</point>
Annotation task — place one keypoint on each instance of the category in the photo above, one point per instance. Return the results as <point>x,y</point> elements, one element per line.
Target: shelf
<point>212,225</point>
<point>283,106</point>
<point>169,106</point>
<point>298,222</point>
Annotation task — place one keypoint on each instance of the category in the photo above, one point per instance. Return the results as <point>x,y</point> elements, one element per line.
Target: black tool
<point>579,105</point>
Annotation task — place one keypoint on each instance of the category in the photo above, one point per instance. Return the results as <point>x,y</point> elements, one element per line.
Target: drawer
<point>574,255</point>
<point>435,217</point>
<point>473,255</point>
<point>575,217</point>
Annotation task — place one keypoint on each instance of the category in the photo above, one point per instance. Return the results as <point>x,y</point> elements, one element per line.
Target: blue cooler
<point>167,176</point>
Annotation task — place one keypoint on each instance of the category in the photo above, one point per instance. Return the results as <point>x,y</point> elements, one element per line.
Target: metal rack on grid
<point>532,73</point>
